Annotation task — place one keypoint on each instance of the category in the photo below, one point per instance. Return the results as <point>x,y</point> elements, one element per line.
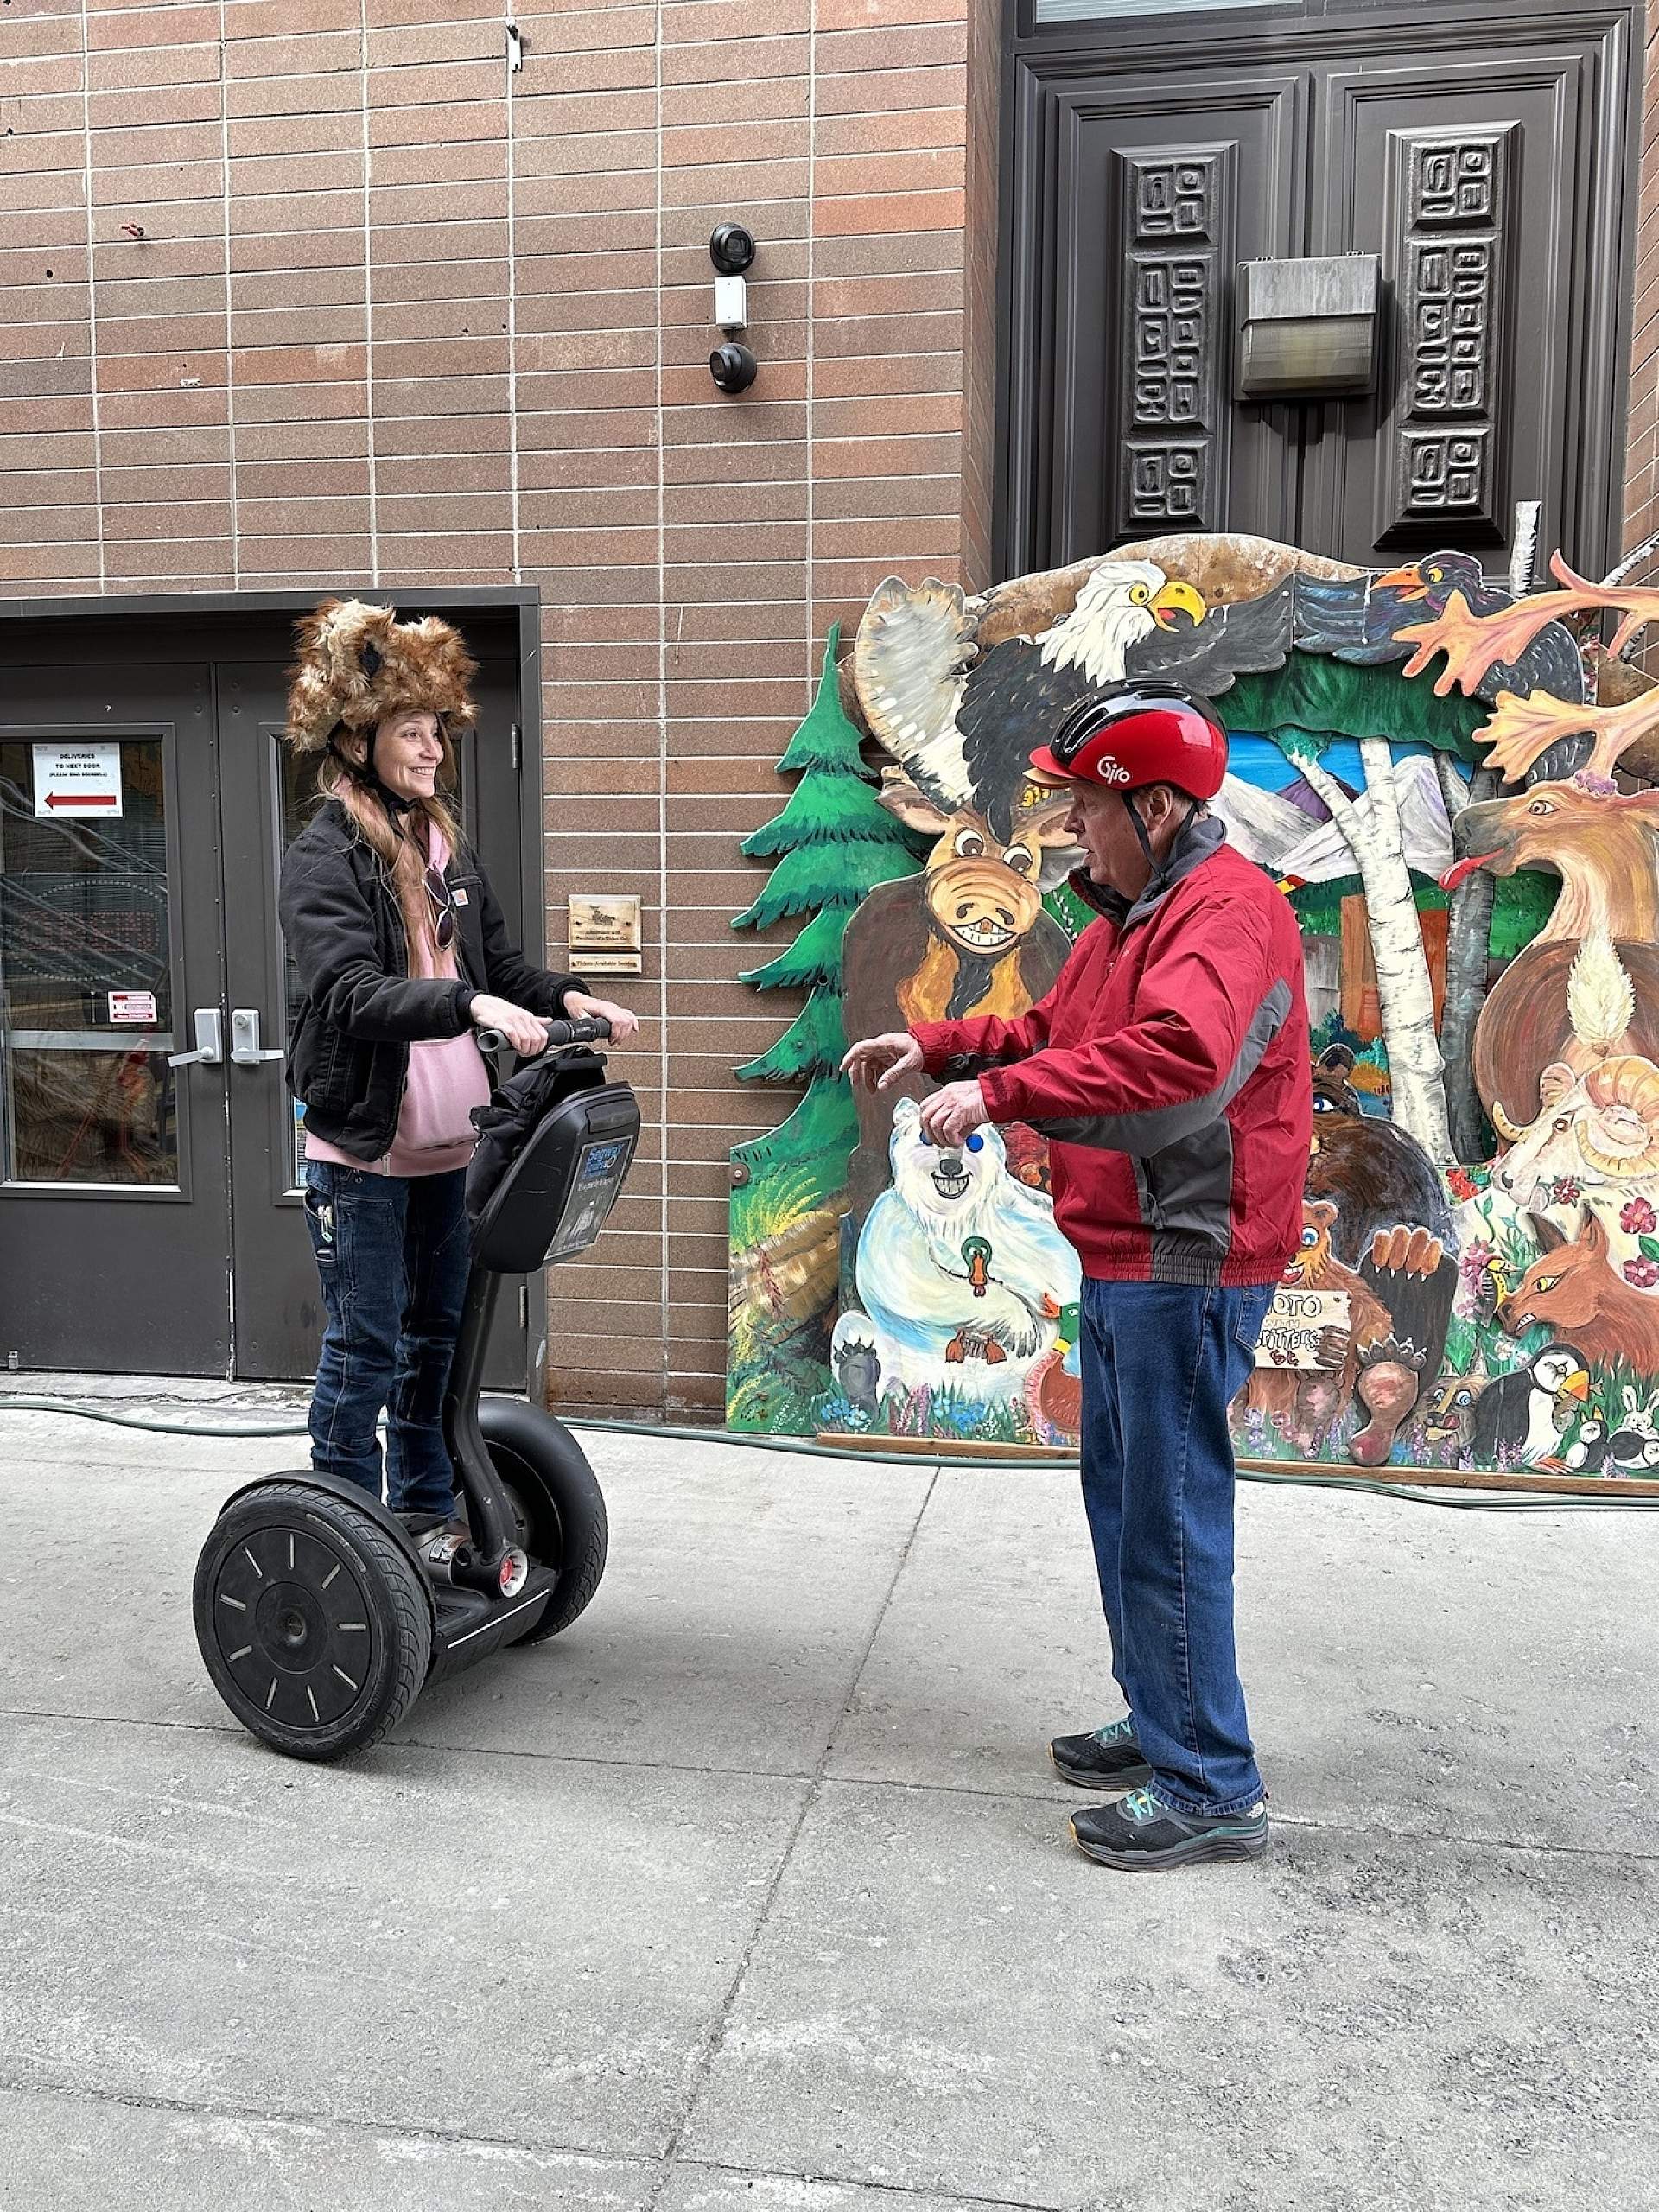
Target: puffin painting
<point>1520,1418</point>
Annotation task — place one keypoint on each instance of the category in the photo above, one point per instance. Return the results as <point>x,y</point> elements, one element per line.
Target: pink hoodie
<point>446,1078</point>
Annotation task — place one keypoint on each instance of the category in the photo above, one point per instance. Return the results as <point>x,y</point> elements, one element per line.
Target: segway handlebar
<point>591,1031</point>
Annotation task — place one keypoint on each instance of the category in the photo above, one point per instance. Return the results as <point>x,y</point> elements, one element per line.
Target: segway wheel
<point>566,1527</point>
<point>312,1621</point>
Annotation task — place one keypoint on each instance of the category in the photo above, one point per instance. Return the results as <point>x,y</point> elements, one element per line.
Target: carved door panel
<point>1482,149</point>
<point>1478,185</point>
<point>1168,187</point>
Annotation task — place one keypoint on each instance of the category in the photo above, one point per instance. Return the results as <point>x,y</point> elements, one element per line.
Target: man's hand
<point>579,1006</point>
<point>878,1062</point>
<point>950,1116</point>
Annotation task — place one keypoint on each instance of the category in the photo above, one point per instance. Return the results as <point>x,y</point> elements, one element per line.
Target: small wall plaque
<point>604,934</point>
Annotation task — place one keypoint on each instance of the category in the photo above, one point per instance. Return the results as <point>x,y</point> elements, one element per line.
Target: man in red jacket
<point>1168,1069</point>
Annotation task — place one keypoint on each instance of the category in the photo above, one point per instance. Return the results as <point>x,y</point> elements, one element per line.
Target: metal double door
<point>149,1203</point>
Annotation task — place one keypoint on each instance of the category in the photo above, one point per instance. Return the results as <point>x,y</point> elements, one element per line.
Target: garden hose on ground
<point>1365,1485</point>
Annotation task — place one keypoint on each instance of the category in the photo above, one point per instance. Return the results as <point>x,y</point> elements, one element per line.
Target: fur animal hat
<point>358,664</point>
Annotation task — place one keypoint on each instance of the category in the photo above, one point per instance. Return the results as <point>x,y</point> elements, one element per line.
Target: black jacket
<point>360,1009</point>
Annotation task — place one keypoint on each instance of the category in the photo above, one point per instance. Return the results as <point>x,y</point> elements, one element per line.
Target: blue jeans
<point>1161,1363</point>
<point>393,1256</point>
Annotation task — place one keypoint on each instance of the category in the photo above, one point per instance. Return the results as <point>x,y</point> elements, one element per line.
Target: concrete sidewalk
<point>753,1889</point>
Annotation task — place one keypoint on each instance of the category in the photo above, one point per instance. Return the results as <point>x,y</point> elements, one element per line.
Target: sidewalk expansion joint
<point>703,2060</point>
<point>818,1782</point>
<point>464,2139</point>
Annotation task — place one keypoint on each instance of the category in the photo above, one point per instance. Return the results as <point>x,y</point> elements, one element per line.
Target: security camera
<point>732,367</point>
<point>731,248</point>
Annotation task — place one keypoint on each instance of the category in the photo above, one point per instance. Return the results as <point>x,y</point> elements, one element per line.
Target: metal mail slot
<point>1307,330</point>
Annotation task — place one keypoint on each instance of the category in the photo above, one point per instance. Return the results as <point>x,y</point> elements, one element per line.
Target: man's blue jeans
<point>393,1257</point>
<point>1161,1363</point>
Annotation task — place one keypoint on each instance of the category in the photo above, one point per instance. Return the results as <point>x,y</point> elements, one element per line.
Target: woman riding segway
<point>402,954</point>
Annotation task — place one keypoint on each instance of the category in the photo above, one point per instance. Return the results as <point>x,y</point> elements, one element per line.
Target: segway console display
<point>544,1195</point>
<point>320,1614</point>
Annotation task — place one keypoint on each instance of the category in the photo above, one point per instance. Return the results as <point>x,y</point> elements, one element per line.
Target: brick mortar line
<point>811,343</point>
<point>512,305</point>
<point>715,2036</point>
<point>368,298</point>
<point>91,291</point>
<point>665,1307</point>
<point>230,346</point>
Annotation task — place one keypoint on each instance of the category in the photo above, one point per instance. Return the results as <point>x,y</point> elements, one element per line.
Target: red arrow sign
<point>80,799</point>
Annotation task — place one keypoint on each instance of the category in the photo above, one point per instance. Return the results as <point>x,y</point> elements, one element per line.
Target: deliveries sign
<point>1304,1329</point>
<point>77,779</point>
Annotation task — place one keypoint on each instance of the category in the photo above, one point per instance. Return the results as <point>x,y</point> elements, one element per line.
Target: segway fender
<point>537,1435</point>
<point>336,1486</point>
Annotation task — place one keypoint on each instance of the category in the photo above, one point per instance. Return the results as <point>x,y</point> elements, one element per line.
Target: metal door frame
<point>1283,34</point>
<point>524,601</point>
<point>220,610</point>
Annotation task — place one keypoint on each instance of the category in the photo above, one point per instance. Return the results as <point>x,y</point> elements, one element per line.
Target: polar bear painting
<point>961,1272</point>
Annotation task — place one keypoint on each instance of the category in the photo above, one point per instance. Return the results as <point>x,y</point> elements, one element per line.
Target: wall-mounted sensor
<point>732,367</point>
<point>732,249</point>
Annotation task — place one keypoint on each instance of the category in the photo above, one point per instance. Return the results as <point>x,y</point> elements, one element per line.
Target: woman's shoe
<point>430,1528</point>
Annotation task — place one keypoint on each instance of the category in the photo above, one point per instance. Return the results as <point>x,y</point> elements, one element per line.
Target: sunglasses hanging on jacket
<point>441,898</point>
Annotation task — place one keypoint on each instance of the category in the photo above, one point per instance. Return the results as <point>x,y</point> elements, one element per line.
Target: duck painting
<point>1053,1390</point>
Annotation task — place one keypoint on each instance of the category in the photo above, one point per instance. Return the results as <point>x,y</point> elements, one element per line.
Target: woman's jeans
<point>1161,1364</point>
<point>393,1255</point>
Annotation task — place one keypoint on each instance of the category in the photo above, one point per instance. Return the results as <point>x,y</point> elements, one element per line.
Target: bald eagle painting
<point>955,696</point>
<point>1364,707</point>
<point>960,689</point>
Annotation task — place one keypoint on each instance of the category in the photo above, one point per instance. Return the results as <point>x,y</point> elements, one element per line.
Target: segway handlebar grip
<point>591,1031</point>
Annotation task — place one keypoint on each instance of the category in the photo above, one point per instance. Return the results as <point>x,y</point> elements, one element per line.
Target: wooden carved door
<point>1482,152</point>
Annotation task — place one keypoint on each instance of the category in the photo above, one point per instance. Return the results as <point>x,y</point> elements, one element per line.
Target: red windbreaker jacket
<point>1168,1069</point>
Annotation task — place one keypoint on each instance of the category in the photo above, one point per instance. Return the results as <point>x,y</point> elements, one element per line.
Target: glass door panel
<point>114,1166</point>
<point>85,984</point>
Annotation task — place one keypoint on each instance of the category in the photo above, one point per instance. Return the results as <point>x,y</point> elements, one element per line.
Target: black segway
<point>320,1615</point>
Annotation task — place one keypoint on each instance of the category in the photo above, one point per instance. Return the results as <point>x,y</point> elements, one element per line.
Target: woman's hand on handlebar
<point>525,1032</point>
<point>579,1006</point>
<point>879,1061</point>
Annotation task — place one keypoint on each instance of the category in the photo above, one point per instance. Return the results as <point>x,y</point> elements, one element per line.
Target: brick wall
<point>396,314</point>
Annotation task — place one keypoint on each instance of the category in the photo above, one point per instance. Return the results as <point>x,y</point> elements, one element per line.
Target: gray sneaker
<point>1107,1758</point>
<point>1140,1834</point>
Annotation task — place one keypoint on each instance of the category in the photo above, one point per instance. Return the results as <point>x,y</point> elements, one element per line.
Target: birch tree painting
<point>1404,987</point>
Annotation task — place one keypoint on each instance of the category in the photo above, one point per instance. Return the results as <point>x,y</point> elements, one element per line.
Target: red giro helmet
<point>1128,734</point>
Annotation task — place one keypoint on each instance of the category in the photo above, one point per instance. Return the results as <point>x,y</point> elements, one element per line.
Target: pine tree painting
<point>832,843</point>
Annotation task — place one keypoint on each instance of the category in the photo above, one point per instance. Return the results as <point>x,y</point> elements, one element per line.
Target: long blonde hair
<point>402,853</point>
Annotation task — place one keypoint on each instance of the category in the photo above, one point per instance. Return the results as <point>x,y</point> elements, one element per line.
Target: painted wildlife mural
<point>1454,783</point>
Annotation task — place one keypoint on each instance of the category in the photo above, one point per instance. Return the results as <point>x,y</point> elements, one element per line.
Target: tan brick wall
<point>399,317</point>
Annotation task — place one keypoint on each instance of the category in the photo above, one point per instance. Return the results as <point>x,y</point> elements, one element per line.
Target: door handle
<point>245,1048</point>
<point>210,1041</point>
